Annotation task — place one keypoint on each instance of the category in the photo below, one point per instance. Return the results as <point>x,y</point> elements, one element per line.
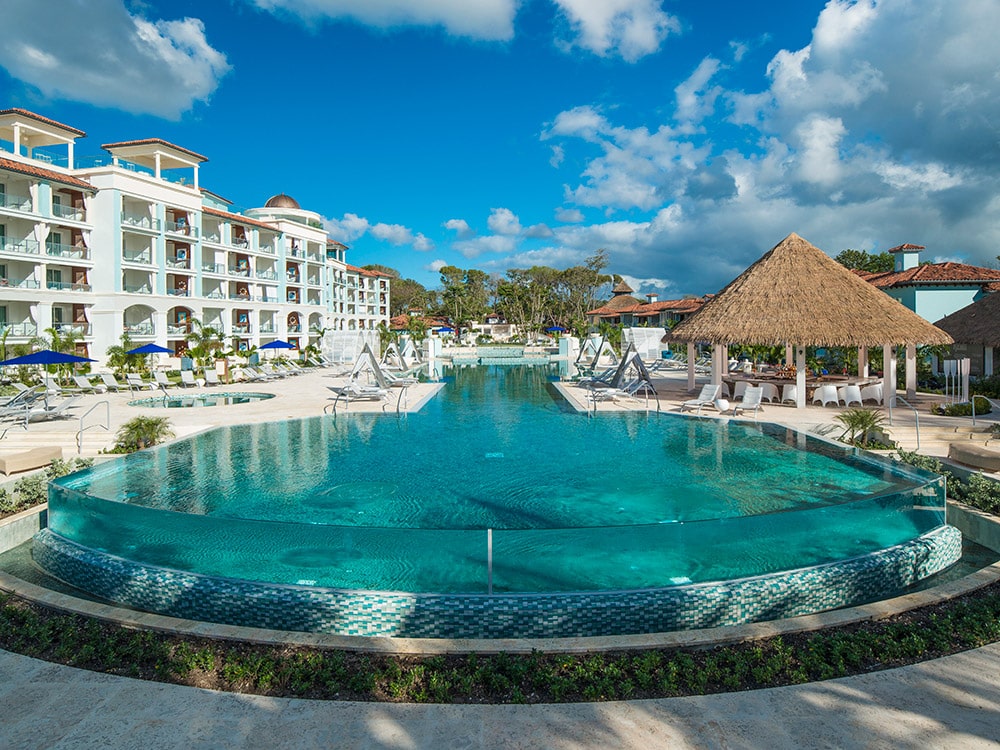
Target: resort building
<point>129,242</point>
<point>932,290</point>
<point>625,310</point>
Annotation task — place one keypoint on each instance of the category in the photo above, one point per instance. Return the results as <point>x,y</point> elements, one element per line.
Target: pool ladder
<point>105,426</point>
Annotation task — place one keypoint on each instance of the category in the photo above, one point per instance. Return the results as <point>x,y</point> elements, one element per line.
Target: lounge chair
<point>212,378</point>
<point>709,393</point>
<point>252,373</point>
<point>86,386</point>
<point>16,410</point>
<point>136,383</point>
<point>628,392</point>
<point>752,401</point>
<point>111,382</point>
<point>359,392</point>
<point>270,372</point>
<point>56,411</point>
<point>162,381</point>
<point>187,379</point>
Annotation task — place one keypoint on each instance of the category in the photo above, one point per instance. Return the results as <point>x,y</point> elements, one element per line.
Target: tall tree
<point>464,295</point>
<point>860,260</point>
<point>407,294</point>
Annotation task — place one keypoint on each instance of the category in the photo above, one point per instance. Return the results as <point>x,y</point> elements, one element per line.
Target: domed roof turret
<point>282,201</point>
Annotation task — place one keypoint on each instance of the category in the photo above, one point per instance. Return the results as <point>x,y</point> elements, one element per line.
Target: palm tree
<point>64,343</point>
<point>204,342</point>
<point>142,432</point>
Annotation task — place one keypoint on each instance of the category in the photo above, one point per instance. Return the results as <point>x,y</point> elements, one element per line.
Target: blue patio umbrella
<point>150,349</point>
<point>555,329</point>
<point>278,344</point>
<point>45,357</point>
<point>444,329</point>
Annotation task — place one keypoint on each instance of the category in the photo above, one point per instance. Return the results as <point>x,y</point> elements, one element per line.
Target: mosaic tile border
<point>373,613</point>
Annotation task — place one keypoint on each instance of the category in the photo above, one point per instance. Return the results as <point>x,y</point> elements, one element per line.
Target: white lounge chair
<point>86,386</point>
<point>187,379</point>
<point>709,393</point>
<point>212,378</point>
<point>54,411</point>
<point>111,382</point>
<point>752,401</point>
<point>162,381</point>
<point>136,383</point>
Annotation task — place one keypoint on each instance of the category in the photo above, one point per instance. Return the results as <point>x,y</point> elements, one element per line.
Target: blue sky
<point>684,137</point>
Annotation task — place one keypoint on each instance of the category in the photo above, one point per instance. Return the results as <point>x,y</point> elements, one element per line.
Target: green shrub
<point>142,432</point>
<point>963,409</point>
<point>987,386</point>
<point>977,491</point>
<point>861,426</point>
<point>33,489</point>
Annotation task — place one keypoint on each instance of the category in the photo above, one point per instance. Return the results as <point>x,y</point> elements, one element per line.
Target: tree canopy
<point>860,260</point>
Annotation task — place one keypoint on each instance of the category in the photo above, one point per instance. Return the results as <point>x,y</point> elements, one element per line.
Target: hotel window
<point>53,278</point>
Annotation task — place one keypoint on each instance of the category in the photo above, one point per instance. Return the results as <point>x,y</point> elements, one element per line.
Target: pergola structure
<point>797,296</point>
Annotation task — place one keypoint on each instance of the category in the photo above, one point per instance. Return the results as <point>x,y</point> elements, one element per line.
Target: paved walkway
<point>949,703</point>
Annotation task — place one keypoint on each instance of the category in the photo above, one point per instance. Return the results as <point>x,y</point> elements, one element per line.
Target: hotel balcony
<point>140,222</point>
<point>20,247</point>
<point>18,330</point>
<point>141,257</point>
<point>144,328</point>
<point>68,212</point>
<point>64,286</point>
<point>180,227</point>
<point>16,202</point>
<point>80,329</point>
<point>9,283</point>
<point>60,250</point>
<point>217,268</point>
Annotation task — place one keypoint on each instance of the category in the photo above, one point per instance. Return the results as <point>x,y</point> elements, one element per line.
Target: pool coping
<point>24,524</point>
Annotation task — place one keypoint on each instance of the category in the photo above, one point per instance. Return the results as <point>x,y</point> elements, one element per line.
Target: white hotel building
<point>130,242</point>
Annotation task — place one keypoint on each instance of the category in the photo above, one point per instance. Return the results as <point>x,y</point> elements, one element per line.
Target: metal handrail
<point>916,416</point>
<point>107,426</point>
<point>973,402</point>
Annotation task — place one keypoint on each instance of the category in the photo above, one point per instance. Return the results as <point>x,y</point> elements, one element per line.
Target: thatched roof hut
<point>798,294</point>
<point>978,323</point>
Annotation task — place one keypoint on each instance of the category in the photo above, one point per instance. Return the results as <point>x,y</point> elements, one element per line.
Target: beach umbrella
<point>150,349</point>
<point>45,357</point>
<point>277,344</point>
<point>444,329</point>
<point>555,329</point>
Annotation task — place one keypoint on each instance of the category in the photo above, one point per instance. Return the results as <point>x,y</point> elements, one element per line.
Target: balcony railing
<point>292,278</point>
<point>240,296</point>
<point>15,202</point>
<point>22,247</point>
<point>265,298</point>
<point>265,274</point>
<point>266,328</point>
<point>144,257</point>
<point>22,284</point>
<point>68,212</point>
<point>137,288</point>
<point>242,328</point>
<point>180,227</point>
<point>140,329</point>
<point>313,281</point>
<point>213,237</point>
<point>178,263</point>
<point>218,268</point>
<point>19,329</point>
<point>178,330</point>
<point>59,250</point>
<point>179,292</point>
<point>266,249</point>
<point>67,286</point>
<point>295,328</point>
<point>240,242</point>
<point>141,222</point>
<point>215,294</point>
<point>243,272</point>
<point>80,329</point>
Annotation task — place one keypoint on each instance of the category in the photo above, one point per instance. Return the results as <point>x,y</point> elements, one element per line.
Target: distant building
<point>625,310</point>
<point>130,242</point>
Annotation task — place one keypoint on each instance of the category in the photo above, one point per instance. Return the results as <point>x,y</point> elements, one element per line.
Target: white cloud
<point>503,221</point>
<point>569,215</point>
<point>558,155</point>
<point>536,231</point>
<point>347,229</point>
<point>460,227</point>
<point>436,265</point>
<point>494,243</point>
<point>819,141</point>
<point>627,28</point>
<point>695,101</point>
<point>394,234</point>
<point>482,19</point>
<point>99,53</point>
<point>422,243</point>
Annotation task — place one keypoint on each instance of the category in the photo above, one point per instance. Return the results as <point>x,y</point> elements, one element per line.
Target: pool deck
<point>952,702</point>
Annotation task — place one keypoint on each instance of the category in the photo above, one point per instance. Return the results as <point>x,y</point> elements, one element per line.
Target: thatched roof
<point>978,323</point>
<point>797,294</point>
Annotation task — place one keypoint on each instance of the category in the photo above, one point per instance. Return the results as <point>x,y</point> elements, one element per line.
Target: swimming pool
<point>195,400</point>
<point>495,511</point>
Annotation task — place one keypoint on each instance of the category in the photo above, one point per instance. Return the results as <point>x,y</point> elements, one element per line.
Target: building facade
<point>129,242</point>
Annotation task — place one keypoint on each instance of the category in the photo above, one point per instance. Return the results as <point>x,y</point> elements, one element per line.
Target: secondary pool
<point>195,400</point>
<point>496,512</point>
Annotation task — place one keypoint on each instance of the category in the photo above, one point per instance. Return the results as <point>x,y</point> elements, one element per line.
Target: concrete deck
<point>949,703</point>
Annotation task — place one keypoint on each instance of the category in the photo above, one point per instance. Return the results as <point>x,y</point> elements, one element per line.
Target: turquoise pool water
<point>614,502</point>
<point>195,400</point>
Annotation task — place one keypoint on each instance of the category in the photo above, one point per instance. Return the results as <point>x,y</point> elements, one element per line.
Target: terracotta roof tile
<point>46,120</point>
<point>906,247</point>
<point>933,273</point>
<point>145,141</point>
<point>239,218</point>
<point>44,174</point>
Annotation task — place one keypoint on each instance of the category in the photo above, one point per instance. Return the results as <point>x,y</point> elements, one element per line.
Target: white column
<point>69,155</point>
<point>862,361</point>
<point>160,326</point>
<point>195,176</point>
<point>156,171</point>
<point>800,377</point>
<point>691,357</point>
<point>889,375</point>
<point>911,371</point>
<point>17,139</point>
<point>789,355</point>
<point>719,362</point>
